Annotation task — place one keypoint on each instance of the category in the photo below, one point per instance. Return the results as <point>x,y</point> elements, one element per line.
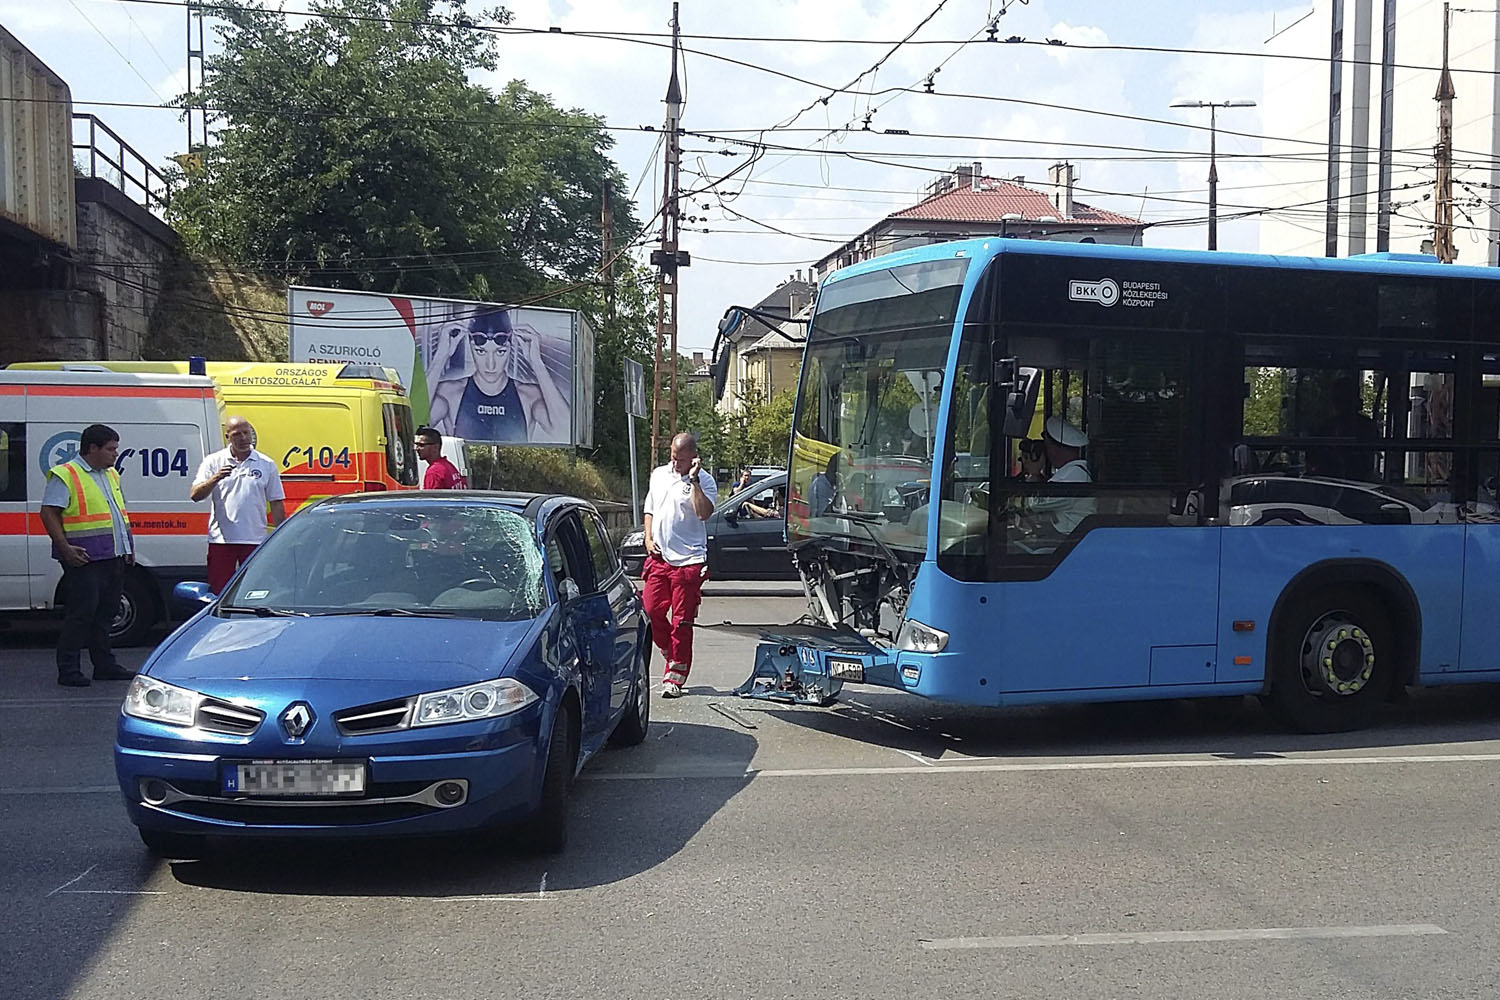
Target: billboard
<point>476,370</point>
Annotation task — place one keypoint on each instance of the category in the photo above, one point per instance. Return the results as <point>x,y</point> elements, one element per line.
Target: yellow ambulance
<point>332,428</point>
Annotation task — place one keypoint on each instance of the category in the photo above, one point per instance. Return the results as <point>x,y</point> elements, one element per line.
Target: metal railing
<point>118,163</point>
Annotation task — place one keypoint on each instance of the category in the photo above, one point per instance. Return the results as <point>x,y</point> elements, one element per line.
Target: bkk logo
<point>1104,292</point>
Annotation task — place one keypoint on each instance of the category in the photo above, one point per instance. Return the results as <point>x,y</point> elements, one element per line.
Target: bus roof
<point>266,373</point>
<point>56,377</point>
<point>984,250</point>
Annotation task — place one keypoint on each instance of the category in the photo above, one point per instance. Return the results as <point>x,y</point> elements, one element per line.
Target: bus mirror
<point>730,322</point>
<point>1020,403</point>
<point>720,371</point>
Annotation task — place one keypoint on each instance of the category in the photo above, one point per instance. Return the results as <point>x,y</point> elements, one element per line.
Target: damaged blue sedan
<point>390,665</point>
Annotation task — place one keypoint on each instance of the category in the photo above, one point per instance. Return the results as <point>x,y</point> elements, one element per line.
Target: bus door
<point>1481,598</point>
<point>1106,576</point>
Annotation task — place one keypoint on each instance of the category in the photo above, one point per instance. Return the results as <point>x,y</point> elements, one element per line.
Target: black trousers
<point>92,592</point>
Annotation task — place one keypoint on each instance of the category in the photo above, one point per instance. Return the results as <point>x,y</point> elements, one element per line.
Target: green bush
<point>543,470</point>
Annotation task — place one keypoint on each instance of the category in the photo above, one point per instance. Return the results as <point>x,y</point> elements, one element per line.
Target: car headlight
<point>475,701</point>
<point>151,699</point>
<point>918,638</point>
<point>633,539</point>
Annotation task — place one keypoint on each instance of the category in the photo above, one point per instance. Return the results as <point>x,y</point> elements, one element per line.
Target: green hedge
<point>543,470</point>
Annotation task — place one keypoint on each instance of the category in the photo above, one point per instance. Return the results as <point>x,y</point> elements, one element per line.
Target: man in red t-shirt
<point>441,473</point>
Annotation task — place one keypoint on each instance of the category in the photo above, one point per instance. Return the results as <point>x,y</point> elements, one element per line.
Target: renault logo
<point>297,719</point>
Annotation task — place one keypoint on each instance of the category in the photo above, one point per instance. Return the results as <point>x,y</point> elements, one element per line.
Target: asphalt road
<point>884,847</point>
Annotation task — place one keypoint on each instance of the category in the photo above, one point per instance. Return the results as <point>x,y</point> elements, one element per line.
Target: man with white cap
<point>1064,446</point>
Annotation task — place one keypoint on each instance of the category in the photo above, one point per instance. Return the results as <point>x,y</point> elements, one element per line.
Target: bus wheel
<point>138,613</point>
<point>1334,661</point>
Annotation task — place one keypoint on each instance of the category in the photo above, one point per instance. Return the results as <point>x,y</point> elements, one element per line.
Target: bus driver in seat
<point>1063,445</point>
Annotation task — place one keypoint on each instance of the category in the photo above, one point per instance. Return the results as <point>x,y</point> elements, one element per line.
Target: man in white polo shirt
<point>680,498</point>
<point>241,484</point>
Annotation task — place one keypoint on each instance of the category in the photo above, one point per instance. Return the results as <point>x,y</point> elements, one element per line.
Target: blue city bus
<point>1027,472</point>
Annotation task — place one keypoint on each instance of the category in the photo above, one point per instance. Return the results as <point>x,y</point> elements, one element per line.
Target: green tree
<point>353,151</point>
<point>769,429</point>
<point>1263,406</point>
<point>697,415</point>
<point>624,333</point>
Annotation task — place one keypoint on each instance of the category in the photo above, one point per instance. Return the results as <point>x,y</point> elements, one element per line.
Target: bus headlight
<point>915,637</point>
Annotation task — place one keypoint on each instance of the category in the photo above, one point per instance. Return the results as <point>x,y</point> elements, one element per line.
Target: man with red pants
<point>680,498</point>
<point>242,485</point>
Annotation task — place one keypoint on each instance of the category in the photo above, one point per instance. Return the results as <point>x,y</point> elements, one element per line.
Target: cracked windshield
<point>815,499</point>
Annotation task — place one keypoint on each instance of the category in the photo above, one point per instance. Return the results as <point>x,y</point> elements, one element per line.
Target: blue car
<point>390,665</point>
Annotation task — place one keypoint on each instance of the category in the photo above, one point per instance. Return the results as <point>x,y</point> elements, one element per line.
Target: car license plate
<point>294,777</point>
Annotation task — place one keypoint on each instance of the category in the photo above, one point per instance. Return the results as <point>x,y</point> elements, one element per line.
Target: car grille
<point>376,789</point>
<point>264,815</point>
<point>382,717</point>
<point>223,717</point>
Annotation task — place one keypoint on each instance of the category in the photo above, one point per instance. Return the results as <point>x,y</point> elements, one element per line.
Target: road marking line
<point>914,756</point>
<point>70,881</point>
<point>114,892</point>
<point>1181,937</point>
<point>927,768</point>
<point>1067,765</point>
<point>476,899</point>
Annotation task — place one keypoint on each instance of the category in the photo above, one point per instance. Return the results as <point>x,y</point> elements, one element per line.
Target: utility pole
<point>666,259</point>
<point>1442,214</point>
<point>196,138</point>
<point>606,251</point>
<point>1213,161</point>
<point>1387,125</point>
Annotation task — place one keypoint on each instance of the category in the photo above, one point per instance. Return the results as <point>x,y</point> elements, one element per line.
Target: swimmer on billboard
<point>494,375</point>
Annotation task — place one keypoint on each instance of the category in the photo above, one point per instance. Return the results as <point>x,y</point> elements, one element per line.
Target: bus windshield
<point>867,406</point>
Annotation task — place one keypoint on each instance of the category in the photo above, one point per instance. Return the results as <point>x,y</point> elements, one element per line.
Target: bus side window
<point>1349,412</point>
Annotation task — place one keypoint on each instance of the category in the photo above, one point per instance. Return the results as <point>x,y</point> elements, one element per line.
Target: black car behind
<point>743,544</point>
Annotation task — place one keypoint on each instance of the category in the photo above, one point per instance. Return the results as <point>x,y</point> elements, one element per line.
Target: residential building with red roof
<point>964,203</point>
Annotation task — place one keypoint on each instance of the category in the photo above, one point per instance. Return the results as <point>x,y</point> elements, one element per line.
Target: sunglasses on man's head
<point>480,339</point>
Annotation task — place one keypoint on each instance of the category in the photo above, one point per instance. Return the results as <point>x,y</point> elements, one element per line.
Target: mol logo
<point>1104,292</point>
<point>319,307</point>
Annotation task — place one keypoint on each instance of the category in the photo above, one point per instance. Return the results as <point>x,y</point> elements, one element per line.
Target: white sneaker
<point>670,690</point>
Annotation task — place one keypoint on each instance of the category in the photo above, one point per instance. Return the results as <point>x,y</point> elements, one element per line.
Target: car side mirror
<point>568,590</point>
<point>191,597</point>
<point>732,514</point>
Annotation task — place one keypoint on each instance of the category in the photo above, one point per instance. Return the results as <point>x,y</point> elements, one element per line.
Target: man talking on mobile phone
<point>242,484</point>
<point>681,496</point>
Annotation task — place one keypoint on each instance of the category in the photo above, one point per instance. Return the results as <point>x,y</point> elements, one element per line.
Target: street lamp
<point>1213,167</point>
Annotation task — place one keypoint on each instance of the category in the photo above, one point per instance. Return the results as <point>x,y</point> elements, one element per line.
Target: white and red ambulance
<point>166,423</point>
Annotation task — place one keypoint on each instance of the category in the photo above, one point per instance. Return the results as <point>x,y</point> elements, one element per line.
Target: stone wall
<point>49,325</point>
<point>124,253</point>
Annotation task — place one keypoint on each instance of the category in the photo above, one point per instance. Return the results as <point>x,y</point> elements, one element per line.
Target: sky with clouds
<point>134,52</point>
